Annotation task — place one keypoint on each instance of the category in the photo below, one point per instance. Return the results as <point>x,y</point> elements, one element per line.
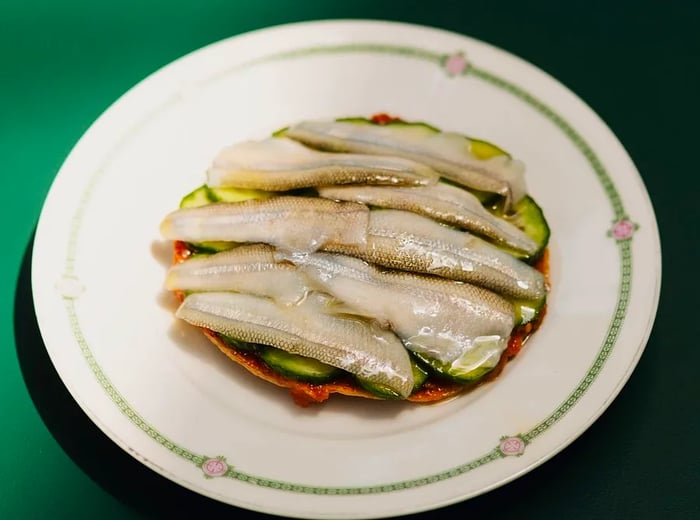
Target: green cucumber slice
<point>237,194</point>
<point>484,150</point>
<point>420,375</point>
<point>198,197</point>
<point>205,195</point>
<point>528,216</point>
<point>527,311</point>
<point>209,248</point>
<point>381,391</point>
<point>298,367</point>
<point>243,346</point>
<point>281,132</point>
<point>457,374</point>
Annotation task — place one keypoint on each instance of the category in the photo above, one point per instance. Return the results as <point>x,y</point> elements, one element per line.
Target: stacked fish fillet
<point>367,248</point>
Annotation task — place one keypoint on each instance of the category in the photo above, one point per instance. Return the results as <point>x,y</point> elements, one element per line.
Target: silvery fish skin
<point>441,202</point>
<point>250,269</point>
<point>308,329</point>
<point>297,223</point>
<point>446,320</point>
<point>403,240</point>
<point>280,164</point>
<point>446,152</point>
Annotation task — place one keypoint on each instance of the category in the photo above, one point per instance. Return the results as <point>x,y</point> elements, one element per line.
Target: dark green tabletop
<point>634,62</point>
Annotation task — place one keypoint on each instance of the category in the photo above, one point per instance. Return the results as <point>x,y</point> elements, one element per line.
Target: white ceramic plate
<point>170,399</point>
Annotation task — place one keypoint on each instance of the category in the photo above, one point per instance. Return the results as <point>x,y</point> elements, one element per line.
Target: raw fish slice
<point>298,223</point>
<point>352,344</point>
<point>447,153</point>
<point>280,164</point>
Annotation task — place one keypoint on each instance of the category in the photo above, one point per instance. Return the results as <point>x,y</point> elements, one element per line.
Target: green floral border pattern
<point>457,65</point>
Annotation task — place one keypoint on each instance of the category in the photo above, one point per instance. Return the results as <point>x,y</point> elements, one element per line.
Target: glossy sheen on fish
<point>250,269</point>
<point>442,202</point>
<point>446,152</point>
<point>307,329</point>
<point>410,242</point>
<point>298,223</point>
<point>446,320</point>
<point>280,164</point>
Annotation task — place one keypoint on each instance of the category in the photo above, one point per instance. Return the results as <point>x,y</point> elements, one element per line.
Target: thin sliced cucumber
<point>358,120</point>
<point>243,346</point>
<point>211,247</point>
<point>395,122</point>
<point>484,150</point>
<point>420,375</point>
<point>281,132</point>
<point>298,367</point>
<point>205,195</point>
<point>528,216</point>
<point>237,194</point>
<point>199,197</point>
<point>457,374</point>
<point>527,311</point>
<point>379,390</point>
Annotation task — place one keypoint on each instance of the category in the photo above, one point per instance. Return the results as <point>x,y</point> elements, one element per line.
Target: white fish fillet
<point>446,152</point>
<point>307,329</point>
<point>250,269</point>
<point>442,202</point>
<point>281,164</point>
<point>298,223</point>
<point>440,318</point>
<point>410,242</point>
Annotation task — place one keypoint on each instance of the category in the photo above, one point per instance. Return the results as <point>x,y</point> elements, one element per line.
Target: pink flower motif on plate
<point>214,467</point>
<point>456,64</point>
<point>512,446</point>
<point>623,229</point>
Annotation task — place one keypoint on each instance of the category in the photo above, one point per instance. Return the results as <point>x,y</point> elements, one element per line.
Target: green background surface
<point>635,63</point>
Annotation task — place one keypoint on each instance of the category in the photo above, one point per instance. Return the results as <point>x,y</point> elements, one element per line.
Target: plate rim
<point>624,244</point>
